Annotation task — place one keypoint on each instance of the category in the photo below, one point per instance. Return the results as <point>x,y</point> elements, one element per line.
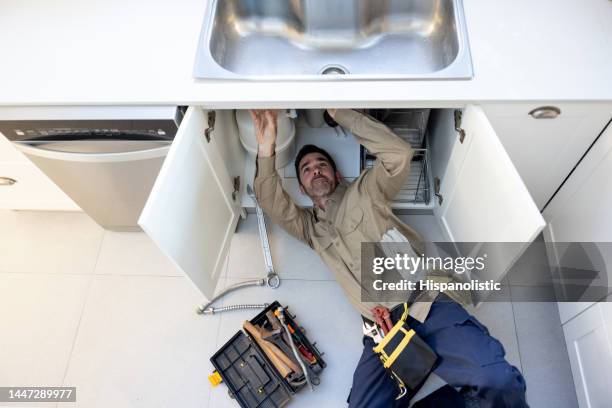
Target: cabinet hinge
<point>212,115</point>
<point>458,117</point>
<point>236,188</point>
<point>437,190</point>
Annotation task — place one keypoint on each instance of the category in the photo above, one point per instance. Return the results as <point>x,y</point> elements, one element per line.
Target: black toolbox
<point>252,379</point>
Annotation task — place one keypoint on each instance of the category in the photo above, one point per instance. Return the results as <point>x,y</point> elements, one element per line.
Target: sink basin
<point>334,39</point>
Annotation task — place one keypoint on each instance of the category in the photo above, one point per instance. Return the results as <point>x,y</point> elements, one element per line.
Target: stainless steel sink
<point>339,39</point>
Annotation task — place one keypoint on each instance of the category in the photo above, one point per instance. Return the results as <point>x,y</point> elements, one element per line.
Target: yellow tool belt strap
<point>388,360</point>
<point>405,314</point>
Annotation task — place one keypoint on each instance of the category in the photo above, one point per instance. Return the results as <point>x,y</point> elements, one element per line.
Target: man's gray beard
<point>323,190</point>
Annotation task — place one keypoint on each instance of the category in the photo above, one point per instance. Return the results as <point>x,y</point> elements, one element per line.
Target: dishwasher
<point>105,159</point>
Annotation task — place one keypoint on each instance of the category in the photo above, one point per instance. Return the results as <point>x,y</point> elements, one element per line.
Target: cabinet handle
<point>7,181</point>
<point>545,112</point>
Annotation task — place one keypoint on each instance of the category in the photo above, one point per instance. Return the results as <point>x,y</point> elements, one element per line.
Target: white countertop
<point>142,52</point>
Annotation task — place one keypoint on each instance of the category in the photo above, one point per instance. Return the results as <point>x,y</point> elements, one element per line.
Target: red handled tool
<point>382,317</point>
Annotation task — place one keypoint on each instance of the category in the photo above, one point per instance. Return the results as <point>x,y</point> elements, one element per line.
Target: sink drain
<point>333,70</point>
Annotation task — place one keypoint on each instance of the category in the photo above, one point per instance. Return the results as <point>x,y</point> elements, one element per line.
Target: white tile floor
<point>107,313</point>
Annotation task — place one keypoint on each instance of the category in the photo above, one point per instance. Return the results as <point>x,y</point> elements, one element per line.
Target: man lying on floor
<point>469,359</point>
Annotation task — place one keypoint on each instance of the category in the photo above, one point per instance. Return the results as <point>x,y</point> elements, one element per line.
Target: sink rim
<point>207,68</point>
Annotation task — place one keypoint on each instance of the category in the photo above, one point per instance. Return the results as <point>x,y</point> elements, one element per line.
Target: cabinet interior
<point>431,132</point>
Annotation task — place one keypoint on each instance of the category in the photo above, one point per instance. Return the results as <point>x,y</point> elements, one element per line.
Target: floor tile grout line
<point>85,302</point>
<point>93,274</point>
<point>136,275</point>
<point>516,335</point>
<point>48,273</point>
<point>518,342</point>
<point>217,337</point>
<point>161,276</point>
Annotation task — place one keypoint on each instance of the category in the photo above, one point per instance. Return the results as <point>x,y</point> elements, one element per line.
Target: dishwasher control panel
<point>21,131</point>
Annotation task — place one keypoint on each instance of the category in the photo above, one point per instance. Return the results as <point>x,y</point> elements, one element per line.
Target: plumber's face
<point>317,176</point>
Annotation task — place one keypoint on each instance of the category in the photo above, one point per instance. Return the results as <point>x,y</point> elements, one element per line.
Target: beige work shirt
<point>355,213</point>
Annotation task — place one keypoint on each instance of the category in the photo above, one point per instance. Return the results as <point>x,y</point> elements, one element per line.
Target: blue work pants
<point>469,359</point>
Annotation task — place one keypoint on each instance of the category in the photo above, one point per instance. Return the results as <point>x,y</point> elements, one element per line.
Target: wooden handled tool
<point>276,324</point>
<point>281,361</point>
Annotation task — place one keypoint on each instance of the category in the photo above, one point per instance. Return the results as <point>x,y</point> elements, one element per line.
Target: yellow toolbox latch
<point>215,379</point>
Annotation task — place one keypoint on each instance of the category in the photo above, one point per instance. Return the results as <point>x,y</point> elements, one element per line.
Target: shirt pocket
<point>352,221</point>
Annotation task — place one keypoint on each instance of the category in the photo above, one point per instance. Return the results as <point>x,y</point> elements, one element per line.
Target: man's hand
<point>382,317</point>
<point>265,123</point>
<point>331,111</point>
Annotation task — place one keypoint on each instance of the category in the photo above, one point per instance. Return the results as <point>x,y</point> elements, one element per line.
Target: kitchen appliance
<point>105,158</point>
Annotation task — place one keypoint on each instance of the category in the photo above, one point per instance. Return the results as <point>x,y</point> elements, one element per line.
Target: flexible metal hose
<point>208,309</point>
<point>213,310</point>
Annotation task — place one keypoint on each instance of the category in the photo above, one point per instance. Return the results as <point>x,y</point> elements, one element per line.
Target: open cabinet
<point>194,205</point>
<point>476,194</point>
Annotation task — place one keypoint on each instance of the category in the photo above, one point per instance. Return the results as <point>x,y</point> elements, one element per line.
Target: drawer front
<point>24,187</point>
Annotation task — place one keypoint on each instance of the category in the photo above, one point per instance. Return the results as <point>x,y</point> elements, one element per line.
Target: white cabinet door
<point>590,352</point>
<point>581,212</point>
<point>192,211</point>
<point>544,151</point>
<point>484,198</point>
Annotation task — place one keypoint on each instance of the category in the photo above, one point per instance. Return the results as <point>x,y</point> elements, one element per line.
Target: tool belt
<point>406,356</point>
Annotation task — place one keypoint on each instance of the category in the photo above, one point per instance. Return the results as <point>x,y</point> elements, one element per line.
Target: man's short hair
<point>307,149</point>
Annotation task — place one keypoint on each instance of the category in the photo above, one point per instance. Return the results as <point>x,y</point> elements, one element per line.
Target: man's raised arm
<point>269,191</point>
<point>393,154</point>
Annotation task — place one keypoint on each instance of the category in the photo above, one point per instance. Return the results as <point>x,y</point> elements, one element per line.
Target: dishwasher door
<point>109,179</point>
